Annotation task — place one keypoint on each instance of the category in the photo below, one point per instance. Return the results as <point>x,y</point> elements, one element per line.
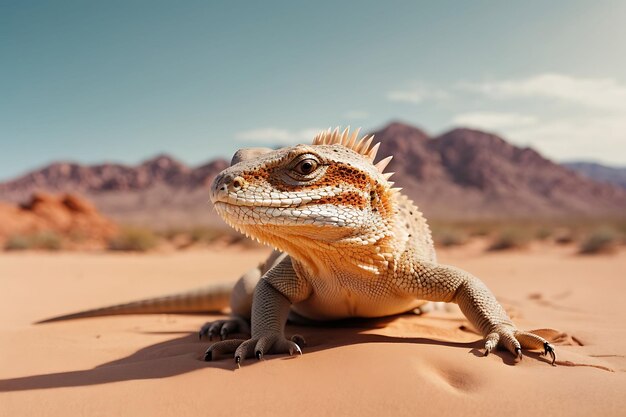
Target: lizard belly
<point>346,304</point>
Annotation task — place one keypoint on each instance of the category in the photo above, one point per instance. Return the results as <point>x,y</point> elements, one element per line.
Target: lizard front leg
<point>434,282</point>
<point>273,296</point>
<point>241,302</point>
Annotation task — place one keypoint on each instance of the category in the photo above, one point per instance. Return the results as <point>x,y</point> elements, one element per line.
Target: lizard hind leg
<point>240,304</point>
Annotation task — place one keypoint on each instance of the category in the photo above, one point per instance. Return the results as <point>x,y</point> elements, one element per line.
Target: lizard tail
<point>209,299</point>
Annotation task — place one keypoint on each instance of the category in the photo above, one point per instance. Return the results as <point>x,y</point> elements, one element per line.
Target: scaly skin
<point>356,247</point>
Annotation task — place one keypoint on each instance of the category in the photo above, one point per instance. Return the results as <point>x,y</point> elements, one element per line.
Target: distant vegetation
<point>450,237</point>
<point>134,239</point>
<point>182,238</point>
<point>604,240</point>
<point>592,236</point>
<point>511,238</point>
<point>37,241</point>
<point>584,236</point>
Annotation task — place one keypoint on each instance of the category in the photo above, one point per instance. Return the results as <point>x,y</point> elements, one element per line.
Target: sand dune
<point>407,365</point>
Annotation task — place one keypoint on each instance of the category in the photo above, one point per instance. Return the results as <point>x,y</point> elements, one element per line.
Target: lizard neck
<point>364,254</point>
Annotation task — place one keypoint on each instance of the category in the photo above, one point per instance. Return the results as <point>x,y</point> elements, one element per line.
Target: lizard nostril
<point>237,183</point>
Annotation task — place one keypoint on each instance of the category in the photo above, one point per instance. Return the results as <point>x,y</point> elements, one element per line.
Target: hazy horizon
<point>201,162</point>
<point>121,82</point>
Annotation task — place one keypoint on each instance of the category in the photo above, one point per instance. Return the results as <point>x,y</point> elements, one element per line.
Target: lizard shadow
<point>184,354</point>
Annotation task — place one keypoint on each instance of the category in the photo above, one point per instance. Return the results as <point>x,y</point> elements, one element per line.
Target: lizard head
<point>328,196</point>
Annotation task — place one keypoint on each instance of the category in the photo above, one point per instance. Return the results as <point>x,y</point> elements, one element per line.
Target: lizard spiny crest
<point>362,146</point>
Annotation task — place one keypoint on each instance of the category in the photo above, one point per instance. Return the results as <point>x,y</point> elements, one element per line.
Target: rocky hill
<point>462,174</point>
<point>467,173</point>
<point>159,193</point>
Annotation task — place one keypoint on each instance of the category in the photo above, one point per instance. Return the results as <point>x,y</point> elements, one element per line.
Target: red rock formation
<point>73,219</point>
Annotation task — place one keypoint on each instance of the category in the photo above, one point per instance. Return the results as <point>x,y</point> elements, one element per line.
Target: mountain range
<point>461,174</point>
<point>599,172</point>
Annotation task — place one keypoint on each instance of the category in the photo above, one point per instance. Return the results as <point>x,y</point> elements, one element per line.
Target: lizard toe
<point>530,340</point>
<point>298,339</point>
<point>224,346</point>
<point>246,350</point>
<point>223,328</point>
<point>491,342</point>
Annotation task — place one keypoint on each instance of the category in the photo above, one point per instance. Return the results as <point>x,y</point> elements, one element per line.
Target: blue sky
<point>124,80</point>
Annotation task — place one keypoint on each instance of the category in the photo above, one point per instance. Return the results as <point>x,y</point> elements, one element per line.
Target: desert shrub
<point>205,234</point>
<point>603,240</point>
<point>450,237</point>
<point>47,241</point>
<point>510,239</point>
<point>564,237</point>
<point>170,234</point>
<point>17,243</point>
<point>42,240</point>
<point>543,233</point>
<point>134,239</point>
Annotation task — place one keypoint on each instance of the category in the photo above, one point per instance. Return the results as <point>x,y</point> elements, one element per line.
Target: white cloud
<point>356,114</point>
<point>602,138</point>
<point>601,93</point>
<point>417,94</point>
<point>493,120</point>
<point>592,126</point>
<point>273,135</point>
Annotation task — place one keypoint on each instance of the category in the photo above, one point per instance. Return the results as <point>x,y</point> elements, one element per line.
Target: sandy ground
<point>408,365</point>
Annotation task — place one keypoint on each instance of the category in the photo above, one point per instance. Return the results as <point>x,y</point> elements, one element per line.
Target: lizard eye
<point>306,166</point>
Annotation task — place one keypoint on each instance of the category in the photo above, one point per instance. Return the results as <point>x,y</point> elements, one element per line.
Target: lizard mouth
<point>236,201</point>
<point>259,214</point>
<point>278,199</point>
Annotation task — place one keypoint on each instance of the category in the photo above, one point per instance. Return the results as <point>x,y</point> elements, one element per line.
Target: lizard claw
<point>549,349</point>
<point>295,348</point>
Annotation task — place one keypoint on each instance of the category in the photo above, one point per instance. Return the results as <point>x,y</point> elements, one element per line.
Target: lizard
<point>347,243</point>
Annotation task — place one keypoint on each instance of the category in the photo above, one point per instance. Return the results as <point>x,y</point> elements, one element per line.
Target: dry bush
<point>512,238</point>
<point>206,235</point>
<point>450,237</point>
<point>17,243</point>
<point>564,236</point>
<point>42,241</point>
<point>543,233</point>
<point>604,240</point>
<point>134,239</point>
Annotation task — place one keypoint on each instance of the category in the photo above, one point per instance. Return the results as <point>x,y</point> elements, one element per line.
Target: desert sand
<point>408,365</point>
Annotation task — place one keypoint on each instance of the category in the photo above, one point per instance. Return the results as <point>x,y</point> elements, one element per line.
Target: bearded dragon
<point>347,244</point>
